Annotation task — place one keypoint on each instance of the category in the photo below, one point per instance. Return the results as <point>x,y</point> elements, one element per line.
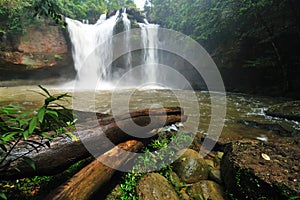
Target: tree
<point>269,28</point>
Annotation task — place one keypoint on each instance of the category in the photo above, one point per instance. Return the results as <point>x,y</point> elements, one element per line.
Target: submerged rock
<point>191,167</point>
<point>154,186</point>
<point>284,129</point>
<point>249,175</point>
<point>287,110</point>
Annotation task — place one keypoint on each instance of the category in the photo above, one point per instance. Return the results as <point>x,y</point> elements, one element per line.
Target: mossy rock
<point>154,186</point>
<point>206,190</point>
<point>191,167</point>
<point>262,170</point>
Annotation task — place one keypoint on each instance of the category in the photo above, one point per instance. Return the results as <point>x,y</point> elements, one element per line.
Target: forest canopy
<point>243,33</point>
<point>15,14</point>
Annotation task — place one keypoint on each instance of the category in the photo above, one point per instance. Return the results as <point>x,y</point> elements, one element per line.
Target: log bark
<point>92,134</point>
<point>89,180</point>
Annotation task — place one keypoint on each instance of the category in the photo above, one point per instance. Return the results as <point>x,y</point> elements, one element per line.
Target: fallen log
<point>92,134</point>
<point>89,180</point>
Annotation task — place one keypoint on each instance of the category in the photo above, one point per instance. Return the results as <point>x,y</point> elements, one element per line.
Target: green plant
<point>128,186</point>
<point>157,151</point>
<point>17,126</point>
<point>58,57</point>
<point>36,187</point>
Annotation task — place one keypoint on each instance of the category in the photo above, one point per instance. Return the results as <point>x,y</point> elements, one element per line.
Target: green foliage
<point>36,187</point>
<point>267,30</point>
<point>152,157</point>
<point>16,15</point>
<point>17,126</point>
<point>48,8</point>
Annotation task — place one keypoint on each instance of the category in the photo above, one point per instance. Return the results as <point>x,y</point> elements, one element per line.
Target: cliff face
<point>43,51</point>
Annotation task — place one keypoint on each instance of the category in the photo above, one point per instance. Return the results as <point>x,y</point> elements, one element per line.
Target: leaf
<point>10,109</point>
<point>17,169</point>
<point>52,113</point>
<point>49,100</point>
<point>29,161</point>
<point>72,136</point>
<point>24,122</point>
<point>3,196</point>
<point>32,125</point>
<point>26,134</point>
<point>65,95</point>
<point>45,90</point>
<point>41,114</point>
<point>8,136</point>
<point>47,136</point>
<point>265,156</point>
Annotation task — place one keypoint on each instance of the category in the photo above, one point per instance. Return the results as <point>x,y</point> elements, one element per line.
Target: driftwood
<point>63,152</point>
<point>89,180</point>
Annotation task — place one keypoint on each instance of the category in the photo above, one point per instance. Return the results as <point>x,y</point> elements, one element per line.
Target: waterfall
<point>92,50</point>
<point>149,34</point>
<point>127,26</point>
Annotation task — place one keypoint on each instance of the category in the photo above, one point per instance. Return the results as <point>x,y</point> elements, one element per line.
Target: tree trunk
<point>63,152</point>
<point>89,180</point>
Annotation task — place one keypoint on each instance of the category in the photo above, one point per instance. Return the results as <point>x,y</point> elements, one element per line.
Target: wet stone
<point>154,186</point>
<point>191,167</point>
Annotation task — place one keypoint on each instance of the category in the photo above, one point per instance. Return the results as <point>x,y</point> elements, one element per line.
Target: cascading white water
<point>92,50</point>
<point>149,34</point>
<point>127,26</point>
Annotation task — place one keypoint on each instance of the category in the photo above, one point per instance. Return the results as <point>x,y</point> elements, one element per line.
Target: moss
<point>58,57</point>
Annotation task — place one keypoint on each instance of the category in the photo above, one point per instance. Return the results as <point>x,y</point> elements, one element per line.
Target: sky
<point>140,3</point>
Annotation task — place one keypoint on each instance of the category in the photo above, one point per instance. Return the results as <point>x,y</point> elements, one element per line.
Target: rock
<point>247,174</point>
<point>284,129</point>
<point>115,193</point>
<point>205,190</point>
<point>210,163</point>
<point>184,195</point>
<point>211,190</point>
<point>215,175</point>
<point>195,191</point>
<point>287,110</point>
<point>43,52</point>
<point>175,180</point>
<point>43,39</point>
<point>190,167</point>
<point>154,186</point>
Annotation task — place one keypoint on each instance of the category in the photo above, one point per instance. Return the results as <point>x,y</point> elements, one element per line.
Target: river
<point>240,108</point>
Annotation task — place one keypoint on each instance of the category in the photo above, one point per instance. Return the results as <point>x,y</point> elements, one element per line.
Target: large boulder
<point>154,186</point>
<point>191,167</point>
<point>262,170</point>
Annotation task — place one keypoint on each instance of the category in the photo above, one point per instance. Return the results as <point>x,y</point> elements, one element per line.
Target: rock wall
<point>42,52</point>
